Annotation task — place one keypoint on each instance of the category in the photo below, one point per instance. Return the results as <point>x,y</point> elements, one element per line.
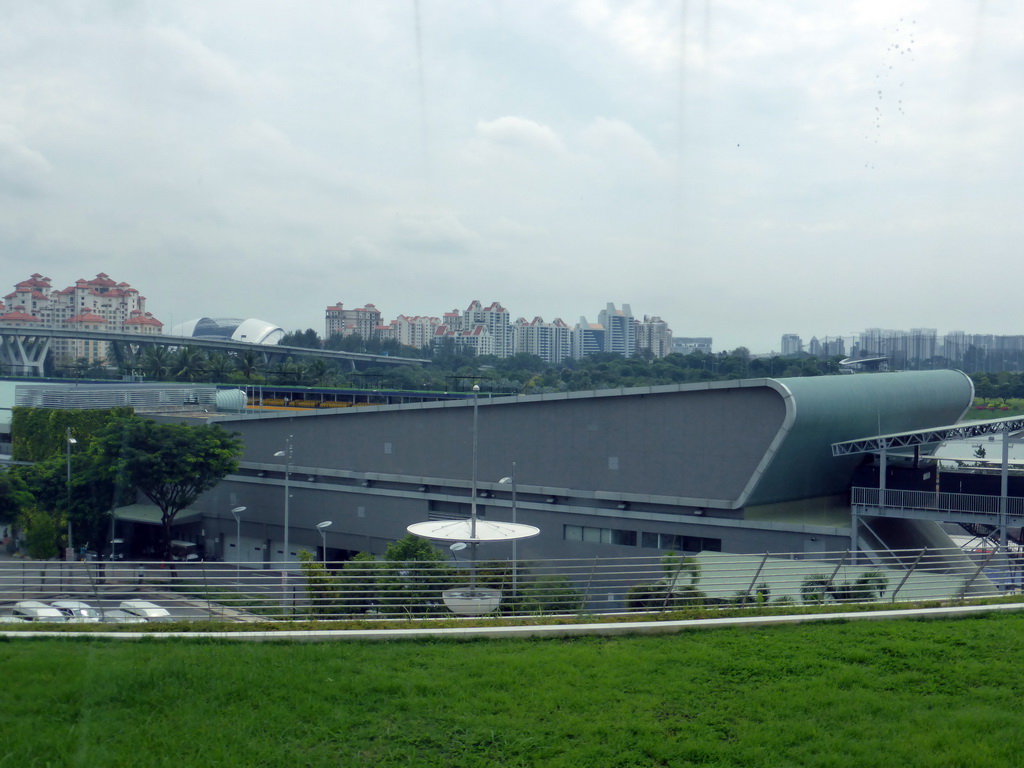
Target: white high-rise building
<point>619,330</point>
<point>654,334</point>
<point>587,338</point>
<point>363,321</point>
<point>552,342</point>
<point>415,331</point>
<point>792,345</point>
<point>495,319</point>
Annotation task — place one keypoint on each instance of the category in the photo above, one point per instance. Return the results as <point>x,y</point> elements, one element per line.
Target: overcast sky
<point>740,168</point>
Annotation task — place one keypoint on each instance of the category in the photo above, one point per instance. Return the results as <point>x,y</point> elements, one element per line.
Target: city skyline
<point>742,170</point>
<point>34,289</point>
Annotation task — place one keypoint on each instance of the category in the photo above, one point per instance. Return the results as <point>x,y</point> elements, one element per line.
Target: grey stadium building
<point>739,466</point>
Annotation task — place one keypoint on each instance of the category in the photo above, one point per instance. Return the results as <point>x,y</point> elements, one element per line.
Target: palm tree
<point>156,362</point>
<point>188,364</point>
<point>218,367</point>
<point>319,373</point>
<point>250,363</point>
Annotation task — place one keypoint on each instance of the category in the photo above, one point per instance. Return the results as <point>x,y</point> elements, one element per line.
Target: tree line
<point>452,367</point>
<point>86,463</point>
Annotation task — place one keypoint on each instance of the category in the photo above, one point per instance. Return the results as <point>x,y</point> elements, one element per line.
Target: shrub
<point>815,588</point>
<point>551,594</point>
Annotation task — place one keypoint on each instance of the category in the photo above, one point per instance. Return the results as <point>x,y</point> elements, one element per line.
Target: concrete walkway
<point>552,630</point>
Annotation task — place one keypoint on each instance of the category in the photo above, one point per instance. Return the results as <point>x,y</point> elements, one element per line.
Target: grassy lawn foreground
<point>900,693</point>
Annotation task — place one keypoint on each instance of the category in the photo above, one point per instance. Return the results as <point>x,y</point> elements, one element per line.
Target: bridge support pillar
<point>23,354</point>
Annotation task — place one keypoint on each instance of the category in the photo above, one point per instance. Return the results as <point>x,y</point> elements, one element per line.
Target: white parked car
<point>33,610</point>
<point>146,610</point>
<point>77,612</point>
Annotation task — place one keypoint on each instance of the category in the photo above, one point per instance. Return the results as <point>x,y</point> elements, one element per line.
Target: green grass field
<point>878,693</point>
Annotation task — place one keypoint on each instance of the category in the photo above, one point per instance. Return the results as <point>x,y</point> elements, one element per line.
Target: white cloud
<point>519,136</point>
<point>429,231</point>
<point>185,60</point>
<point>23,170</point>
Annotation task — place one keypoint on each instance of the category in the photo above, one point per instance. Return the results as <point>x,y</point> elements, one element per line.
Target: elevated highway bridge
<point>24,351</point>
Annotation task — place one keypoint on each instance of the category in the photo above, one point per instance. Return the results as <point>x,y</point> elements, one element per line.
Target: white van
<point>145,610</point>
<point>33,610</point>
<point>77,612</point>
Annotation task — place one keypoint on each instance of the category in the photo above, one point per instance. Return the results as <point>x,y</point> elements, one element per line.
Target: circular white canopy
<point>460,530</point>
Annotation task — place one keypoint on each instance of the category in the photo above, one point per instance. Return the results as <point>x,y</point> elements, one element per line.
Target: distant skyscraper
<point>654,334</point>
<point>495,319</point>
<point>363,321</point>
<point>552,342</point>
<point>792,345</point>
<point>587,338</point>
<point>619,330</point>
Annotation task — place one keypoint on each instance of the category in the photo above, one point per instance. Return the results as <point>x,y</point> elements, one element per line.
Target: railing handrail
<point>943,501</point>
<point>258,591</point>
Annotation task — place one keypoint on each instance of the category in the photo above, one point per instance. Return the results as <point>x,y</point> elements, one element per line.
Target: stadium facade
<point>739,466</point>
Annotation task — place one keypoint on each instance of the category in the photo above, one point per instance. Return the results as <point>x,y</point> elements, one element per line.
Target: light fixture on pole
<point>237,514</point>
<point>472,532</point>
<point>322,527</point>
<point>287,454</point>
<point>71,546</point>
<point>472,501</point>
<point>515,560</point>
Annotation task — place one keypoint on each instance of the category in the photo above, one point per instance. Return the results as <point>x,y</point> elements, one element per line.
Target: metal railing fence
<point>982,505</point>
<point>361,590</point>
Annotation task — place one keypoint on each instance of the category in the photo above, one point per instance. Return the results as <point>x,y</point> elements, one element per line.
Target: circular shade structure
<point>461,530</point>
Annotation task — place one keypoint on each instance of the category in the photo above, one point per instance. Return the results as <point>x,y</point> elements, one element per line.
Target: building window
<point>597,535</point>
<point>680,543</point>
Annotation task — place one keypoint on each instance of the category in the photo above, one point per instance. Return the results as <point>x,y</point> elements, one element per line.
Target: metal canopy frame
<point>921,437</point>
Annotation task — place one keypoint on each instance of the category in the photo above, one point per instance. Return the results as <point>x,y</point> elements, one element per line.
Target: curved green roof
<point>830,409</point>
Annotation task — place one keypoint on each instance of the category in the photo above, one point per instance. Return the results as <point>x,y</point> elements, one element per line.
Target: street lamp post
<point>71,546</point>
<point>287,454</point>
<point>472,501</point>
<point>322,527</point>
<point>515,560</point>
<point>237,514</point>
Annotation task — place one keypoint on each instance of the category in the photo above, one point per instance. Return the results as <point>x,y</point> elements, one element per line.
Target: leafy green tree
<point>14,496</point>
<point>170,464</point>
<point>413,576</point>
<point>43,485</point>
<point>42,530</point>
<point>307,339</point>
<point>41,433</point>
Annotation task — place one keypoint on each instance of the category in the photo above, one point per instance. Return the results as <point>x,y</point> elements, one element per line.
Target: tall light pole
<point>287,454</point>
<point>322,527</point>
<point>512,479</point>
<point>472,501</point>
<point>71,546</point>
<point>237,514</point>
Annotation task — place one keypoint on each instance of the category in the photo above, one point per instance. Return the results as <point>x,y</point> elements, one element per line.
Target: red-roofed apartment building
<point>99,304</point>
